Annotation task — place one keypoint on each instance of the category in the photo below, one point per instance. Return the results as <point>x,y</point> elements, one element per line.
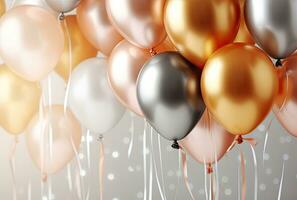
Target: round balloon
<point>62,6</point>
<point>239,85</point>
<point>76,48</point>
<point>91,98</point>
<point>95,25</point>
<point>31,41</point>
<point>53,138</point>
<point>168,91</point>
<point>140,22</point>
<point>208,141</point>
<point>273,24</point>
<point>199,27</point>
<point>19,101</point>
<point>2,7</point>
<point>285,107</point>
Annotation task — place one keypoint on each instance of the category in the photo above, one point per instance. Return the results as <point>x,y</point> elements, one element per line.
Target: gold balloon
<point>199,27</point>
<point>2,7</point>
<point>243,34</point>
<point>19,100</point>
<point>80,50</point>
<point>239,84</point>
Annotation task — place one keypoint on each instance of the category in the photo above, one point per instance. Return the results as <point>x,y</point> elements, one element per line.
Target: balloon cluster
<point>190,67</point>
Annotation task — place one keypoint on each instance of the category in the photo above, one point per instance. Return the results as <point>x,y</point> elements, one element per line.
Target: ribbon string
<point>132,135</point>
<point>255,170</point>
<point>144,148</point>
<point>12,167</point>
<point>101,165</point>
<point>281,183</point>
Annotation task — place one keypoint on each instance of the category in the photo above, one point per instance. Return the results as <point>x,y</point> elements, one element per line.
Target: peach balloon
<point>2,7</point>
<point>79,49</point>
<point>31,41</point>
<point>208,141</point>
<point>51,138</point>
<point>95,25</point>
<point>140,22</point>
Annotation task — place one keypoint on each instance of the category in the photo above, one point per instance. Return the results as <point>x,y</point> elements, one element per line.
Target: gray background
<point>124,177</point>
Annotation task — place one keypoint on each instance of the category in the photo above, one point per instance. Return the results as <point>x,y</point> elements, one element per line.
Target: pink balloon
<point>208,141</point>
<point>31,41</point>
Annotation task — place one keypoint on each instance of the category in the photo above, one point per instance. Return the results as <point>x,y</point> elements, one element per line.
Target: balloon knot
<point>278,63</point>
<point>61,16</point>
<point>44,177</point>
<point>239,139</point>
<point>209,169</point>
<point>153,52</point>
<point>100,138</point>
<point>175,145</point>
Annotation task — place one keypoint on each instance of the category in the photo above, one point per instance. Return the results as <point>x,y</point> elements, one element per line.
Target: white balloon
<point>63,5</point>
<point>91,98</point>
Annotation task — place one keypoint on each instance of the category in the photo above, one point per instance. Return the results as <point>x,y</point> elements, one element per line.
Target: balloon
<point>168,92</point>
<point>53,138</point>
<point>31,41</point>
<point>273,24</point>
<point>2,7</point>
<point>125,63</point>
<point>19,100</point>
<point>285,107</point>
<point>63,6</point>
<point>208,141</point>
<point>199,27</point>
<point>166,45</point>
<point>239,84</point>
<point>95,25</point>
<point>140,22</point>
<point>91,98</point>
<point>80,50</point>
<point>243,34</point>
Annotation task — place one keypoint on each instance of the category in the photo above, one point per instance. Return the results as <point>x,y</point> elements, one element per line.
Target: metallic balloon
<point>52,138</point>
<point>76,48</point>
<point>2,7</point>
<point>239,85</point>
<point>63,6</point>
<point>95,25</point>
<point>273,24</point>
<point>125,63</point>
<point>31,41</point>
<point>199,27</point>
<point>243,34</point>
<point>19,101</point>
<point>285,107</point>
<point>168,91</point>
<point>91,98</point>
<point>208,141</point>
<point>140,22</point>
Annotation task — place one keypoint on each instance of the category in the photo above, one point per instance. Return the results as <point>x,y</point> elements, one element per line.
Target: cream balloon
<point>63,6</point>
<point>95,25</point>
<point>53,138</point>
<point>91,98</point>
<point>31,41</point>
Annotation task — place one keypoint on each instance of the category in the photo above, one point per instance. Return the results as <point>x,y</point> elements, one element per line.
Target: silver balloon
<point>273,24</point>
<point>168,91</point>
<point>91,98</point>
<point>63,5</point>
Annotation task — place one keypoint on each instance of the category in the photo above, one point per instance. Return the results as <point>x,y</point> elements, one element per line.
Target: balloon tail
<point>161,164</point>
<point>69,67</point>
<point>101,165</point>
<point>281,183</point>
<point>132,136</point>
<point>144,149</point>
<point>256,172</point>
<point>185,172</point>
<point>278,63</point>
<point>163,197</point>
<point>12,167</point>
<point>153,52</point>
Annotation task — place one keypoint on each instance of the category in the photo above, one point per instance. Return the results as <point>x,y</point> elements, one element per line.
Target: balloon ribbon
<point>185,172</point>
<point>12,166</point>
<point>101,165</point>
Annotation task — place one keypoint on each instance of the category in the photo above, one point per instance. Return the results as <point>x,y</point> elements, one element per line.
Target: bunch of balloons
<point>190,67</point>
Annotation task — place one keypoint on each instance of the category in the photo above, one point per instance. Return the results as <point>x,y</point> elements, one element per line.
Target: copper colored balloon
<point>239,85</point>
<point>19,100</point>
<point>140,22</point>
<point>95,25</point>
<point>125,63</point>
<point>199,27</point>
<point>52,138</point>
<point>80,49</point>
<point>208,141</point>
<point>166,45</point>
<point>285,107</point>
<point>243,34</point>
<point>2,7</point>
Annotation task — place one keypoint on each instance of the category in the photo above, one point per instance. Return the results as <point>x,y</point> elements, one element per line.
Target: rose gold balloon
<point>31,41</point>
<point>140,22</point>
<point>95,25</point>
<point>166,45</point>
<point>243,34</point>
<point>208,141</point>
<point>51,138</point>
<point>2,7</point>
<point>285,107</point>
